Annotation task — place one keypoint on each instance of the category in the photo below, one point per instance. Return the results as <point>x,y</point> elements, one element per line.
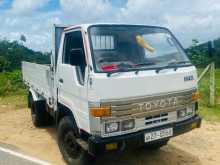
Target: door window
<point>74,53</point>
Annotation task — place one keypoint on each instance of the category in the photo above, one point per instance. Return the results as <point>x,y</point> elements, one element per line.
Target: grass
<point>210,113</point>
<point>12,91</point>
<point>17,101</point>
<point>11,83</point>
<point>205,110</point>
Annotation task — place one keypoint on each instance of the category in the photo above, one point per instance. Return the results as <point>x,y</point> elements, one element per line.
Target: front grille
<point>139,107</point>
<point>157,119</point>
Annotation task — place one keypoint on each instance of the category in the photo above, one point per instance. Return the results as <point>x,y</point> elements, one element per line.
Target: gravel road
<point>199,147</point>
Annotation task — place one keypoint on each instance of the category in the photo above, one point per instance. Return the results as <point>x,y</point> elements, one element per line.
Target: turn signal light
<point>100,111</point>
<point>195,96</point>
<point>111,146</point>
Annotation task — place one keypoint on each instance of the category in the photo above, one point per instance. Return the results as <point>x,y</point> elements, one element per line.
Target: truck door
<point>71,77</point>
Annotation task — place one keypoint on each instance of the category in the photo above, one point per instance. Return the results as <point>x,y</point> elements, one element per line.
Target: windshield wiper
<point>178,62</point>
<point>123,67</point>
<point>117,71</point>
<point>175,65</point>
<point>145,63</point>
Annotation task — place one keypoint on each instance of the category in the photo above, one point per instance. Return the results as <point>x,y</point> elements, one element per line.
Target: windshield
<point>124,48</point>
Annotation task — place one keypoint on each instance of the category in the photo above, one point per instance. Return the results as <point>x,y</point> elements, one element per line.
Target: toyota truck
<point>110,87</point>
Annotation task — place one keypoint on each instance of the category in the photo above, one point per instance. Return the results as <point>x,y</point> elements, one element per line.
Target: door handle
<point>61,80</point>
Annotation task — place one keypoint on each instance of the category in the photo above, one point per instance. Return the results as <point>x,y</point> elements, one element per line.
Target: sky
<point>188,19</point>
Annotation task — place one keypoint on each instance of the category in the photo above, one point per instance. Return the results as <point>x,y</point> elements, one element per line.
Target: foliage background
<point>12,53</point>
<point>199,53</point>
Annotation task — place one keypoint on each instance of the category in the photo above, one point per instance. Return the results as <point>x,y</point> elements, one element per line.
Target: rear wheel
<point>72,152</point>
<point>40,117</point>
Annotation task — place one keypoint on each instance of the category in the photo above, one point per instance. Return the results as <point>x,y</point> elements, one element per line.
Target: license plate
<point>164,133</point>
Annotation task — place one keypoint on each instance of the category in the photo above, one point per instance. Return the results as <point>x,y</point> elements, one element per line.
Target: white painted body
<point>129,85</point>
<point>98,87</point>
<point>39,79</point>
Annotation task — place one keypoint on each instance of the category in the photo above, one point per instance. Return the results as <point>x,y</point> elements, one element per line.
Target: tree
<point>14,52</point>
<point>198,53</point>
<point>195,42</point>
<point>4,64</point>
<point>23,38</point>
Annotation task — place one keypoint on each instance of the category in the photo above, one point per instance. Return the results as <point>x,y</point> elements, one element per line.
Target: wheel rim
<point>70,146</point>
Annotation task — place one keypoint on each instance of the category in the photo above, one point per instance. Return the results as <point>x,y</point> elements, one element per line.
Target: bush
<point>11,83</point>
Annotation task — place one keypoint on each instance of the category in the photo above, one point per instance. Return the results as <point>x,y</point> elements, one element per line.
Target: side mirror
<point>51,61</point>
<point>76,57</point>
<point>211,48</point>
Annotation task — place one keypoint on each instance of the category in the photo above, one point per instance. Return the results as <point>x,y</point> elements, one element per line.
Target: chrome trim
<point>141,114</point>
<point>138,99</point>
<point>122,110</point>
<point>170,117</point>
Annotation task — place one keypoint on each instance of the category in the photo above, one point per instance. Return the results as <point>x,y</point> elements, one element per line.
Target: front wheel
<point>72,152</point>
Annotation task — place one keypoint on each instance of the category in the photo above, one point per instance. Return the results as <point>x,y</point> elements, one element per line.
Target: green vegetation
<point>207,112</point>
<point>12,53</point>
<point>11,83</point>
<point>199,53</point>
<point>12,89</point>
<point>16,101</point>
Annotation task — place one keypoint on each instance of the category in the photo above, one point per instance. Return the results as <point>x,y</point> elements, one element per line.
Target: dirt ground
<point>199,147</point>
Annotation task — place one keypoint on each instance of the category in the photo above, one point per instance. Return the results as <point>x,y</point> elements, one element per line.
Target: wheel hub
<point>70,145</point>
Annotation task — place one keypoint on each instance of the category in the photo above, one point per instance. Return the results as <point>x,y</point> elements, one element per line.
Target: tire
<point>72,153</point>
<point>29,99</point>
<point>156,145</point>
<point>40,117</point>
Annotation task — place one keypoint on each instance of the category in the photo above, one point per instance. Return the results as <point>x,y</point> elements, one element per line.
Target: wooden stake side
<point>203,73</point>
<point>212,84</point>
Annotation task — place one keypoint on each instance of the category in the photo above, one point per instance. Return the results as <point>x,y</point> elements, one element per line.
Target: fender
<point>35,95</point>
<point>64,110</point>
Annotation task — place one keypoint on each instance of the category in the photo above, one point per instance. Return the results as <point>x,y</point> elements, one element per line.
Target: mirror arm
<point>52,62</point>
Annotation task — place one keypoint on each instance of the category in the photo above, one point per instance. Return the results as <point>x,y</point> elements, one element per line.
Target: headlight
<point>127,124</point>
<point>189,111</point>
<point>112,127</point>
<point>181,113</point>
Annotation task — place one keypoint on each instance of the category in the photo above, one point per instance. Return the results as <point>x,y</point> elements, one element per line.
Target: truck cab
<point>112,85</point>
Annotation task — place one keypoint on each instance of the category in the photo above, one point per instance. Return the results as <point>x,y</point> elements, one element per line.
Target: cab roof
<point>85,26</point>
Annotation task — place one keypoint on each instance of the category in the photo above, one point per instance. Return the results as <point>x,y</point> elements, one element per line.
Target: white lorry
<point>113,86</point>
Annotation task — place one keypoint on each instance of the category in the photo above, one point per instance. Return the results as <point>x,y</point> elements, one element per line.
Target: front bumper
<point>97,145</point>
